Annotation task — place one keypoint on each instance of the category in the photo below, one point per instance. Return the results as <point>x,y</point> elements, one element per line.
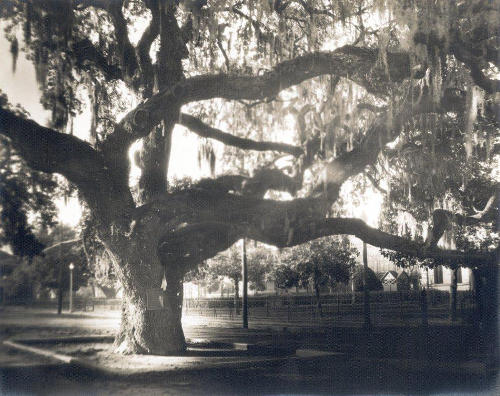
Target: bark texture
<point>152,310</point>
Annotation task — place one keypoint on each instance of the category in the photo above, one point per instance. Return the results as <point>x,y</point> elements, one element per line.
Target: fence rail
<point>385,307</point>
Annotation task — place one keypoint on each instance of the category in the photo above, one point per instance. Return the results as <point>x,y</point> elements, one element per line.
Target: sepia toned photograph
<point>259,197</point>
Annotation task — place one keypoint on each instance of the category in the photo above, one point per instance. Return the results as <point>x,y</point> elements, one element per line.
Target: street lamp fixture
<point>71,268</point>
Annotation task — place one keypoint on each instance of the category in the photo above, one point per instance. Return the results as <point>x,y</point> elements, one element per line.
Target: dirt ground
<point>356,375</point>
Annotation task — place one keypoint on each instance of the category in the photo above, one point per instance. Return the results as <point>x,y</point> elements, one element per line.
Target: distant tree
<point>51,270</point>
<point>408,281</point>
<point>260,263</point>
<point>322,262</point>
<point>20,286</point>
<point>24,193</point>
<point>228,264</point>
<point>285,276</point>
<point>372,281</point>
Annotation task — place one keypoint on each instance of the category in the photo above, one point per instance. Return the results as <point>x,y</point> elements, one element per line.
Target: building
<point>440,278</point>
<point>435,278</point>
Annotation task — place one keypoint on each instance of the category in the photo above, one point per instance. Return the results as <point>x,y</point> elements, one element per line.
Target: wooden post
<point>237,296</point>
<point>245,283</point>
<point>453,295</point>
<point>423,307</point>
<point>366,292</point>
<point>353,289</point>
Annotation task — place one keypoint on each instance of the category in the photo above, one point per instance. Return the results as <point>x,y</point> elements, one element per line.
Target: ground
<point>357,373</point>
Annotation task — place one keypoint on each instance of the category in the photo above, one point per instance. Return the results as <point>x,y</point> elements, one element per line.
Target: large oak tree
<point>322,85</point>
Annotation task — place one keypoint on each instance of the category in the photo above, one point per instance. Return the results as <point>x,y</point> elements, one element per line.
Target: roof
<point>389,274</point>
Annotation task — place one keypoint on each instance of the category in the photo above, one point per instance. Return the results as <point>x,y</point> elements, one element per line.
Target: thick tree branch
<point>384,240</point>
<point>62,245</point>
<point>351,62</point>
<point>473,64</point>
<point>204,130</point>
<point>465,53</point>
<point>126,50</point>
<point>144,46</point>
<point>262,181</point>
<point>442,218</point>
<point>348,61</point>
<point>49,151</point>
<point>279,223</point>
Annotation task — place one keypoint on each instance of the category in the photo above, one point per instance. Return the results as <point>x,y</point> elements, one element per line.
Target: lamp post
<point>71,268</point>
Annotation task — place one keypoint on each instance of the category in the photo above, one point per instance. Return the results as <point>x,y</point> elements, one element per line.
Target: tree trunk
<point>151,316</point>
<point>318,300</point>
<point>478,296</point>
<point>151,331</point>
<point>353,289</point>
<point>453,295</point>
<point>237,296</point>
<point>490,306</point>
<point>366,293</point>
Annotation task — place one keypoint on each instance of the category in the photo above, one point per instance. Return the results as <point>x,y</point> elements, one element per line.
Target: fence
<point>385,307</point>
<point>79,303</point>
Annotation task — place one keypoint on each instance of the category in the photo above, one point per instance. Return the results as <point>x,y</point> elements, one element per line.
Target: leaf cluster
<point>321,262</point>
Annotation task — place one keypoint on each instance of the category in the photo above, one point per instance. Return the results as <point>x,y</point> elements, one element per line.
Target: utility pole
<point>71,268</point>
<point>366,293</point>
<point>353,288</point>
<point>59,277</point>
<point>244,271</point>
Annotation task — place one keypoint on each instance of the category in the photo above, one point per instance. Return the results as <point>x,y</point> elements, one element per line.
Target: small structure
<point>389,280</point>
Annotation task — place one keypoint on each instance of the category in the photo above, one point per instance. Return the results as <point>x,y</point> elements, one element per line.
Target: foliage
<point>409,282</point>
<point>403,260</point>
<point>228,264</point>
<point>53,267</point>
<point>260,263</point>
<point>20,284</point>
<point>372,280</point>
<point>24,193</point>
<point>98,260</point>
<point>50,270</point>
<point>285,277</point>
<point>322,262</point>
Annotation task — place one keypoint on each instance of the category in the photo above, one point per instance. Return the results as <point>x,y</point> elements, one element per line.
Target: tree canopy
<point>229,264</point>
<point>319,263</point>
<point>290,99</point>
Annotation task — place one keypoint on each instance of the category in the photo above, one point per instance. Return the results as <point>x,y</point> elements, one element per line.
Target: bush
<point>373,282</point>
